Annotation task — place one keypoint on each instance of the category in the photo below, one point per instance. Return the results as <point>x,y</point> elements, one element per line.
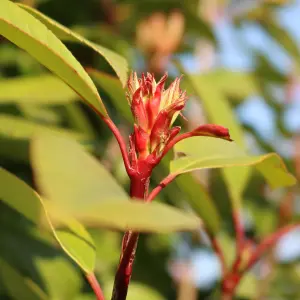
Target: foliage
<point>72,182</point>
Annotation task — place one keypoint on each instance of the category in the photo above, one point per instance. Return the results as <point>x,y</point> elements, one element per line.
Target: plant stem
<point>138,189</point>
<point>121,143</point>
<point>267,243</point>
<point>95,286</point>
<point>239,233</point>
<point>219,252</point>
<point>161,186</point>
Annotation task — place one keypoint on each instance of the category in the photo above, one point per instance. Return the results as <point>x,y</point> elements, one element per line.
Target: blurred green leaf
<point>39,113</point>
<point>265,218</point>
<point>137,216</point>
<point>43,89</point>
<point>201,202</point>
<point>232,83</point>
<point>117,62</point>
<point>136,291</point>
<point>247,288</point>
<point>61,280</point>
<point>219,111</point>
<point>19,128</point>
<point>115,91</point>
<point>79,121</point>
<point>75,240</point>
<point>207,152</point>
<point>68,175</point>
<point>18,286</point>
<point>28,33</point>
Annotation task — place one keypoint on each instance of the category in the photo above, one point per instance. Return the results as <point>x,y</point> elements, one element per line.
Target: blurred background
<point>249,52</point>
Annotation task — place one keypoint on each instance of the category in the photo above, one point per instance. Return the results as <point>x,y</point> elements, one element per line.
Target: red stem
<point>161,186</point>
<point>95,286</point>
<point>239,232</point>
<point>219,252</point>
<point>173,142</point>
<point>267,243</point>
<point>121,142</point>
<point>138,189</point>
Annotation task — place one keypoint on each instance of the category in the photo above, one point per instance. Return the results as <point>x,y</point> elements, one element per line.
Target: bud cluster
<point>155,109</point>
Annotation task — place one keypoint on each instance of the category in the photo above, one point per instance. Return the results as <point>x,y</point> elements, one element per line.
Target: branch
<point>239,233</point>
<point>95,286</point>
<point>172,143</point>
<point>161,186</point>
<point>219,252</point>
<point>121,143</point>
<point>267,243</point>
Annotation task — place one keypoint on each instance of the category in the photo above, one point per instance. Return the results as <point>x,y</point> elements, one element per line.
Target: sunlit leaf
<point>65,286</point>
<point>207,152</point>
<point>75,240</point>
<point>201,202</point>
<point>136,291</point>
<point>233,83</point>
<point>219,112</point>
<point>115,91</point>
<point>67,174</point>
<point>117,62</point>
<point>247,288</point>
<point>137,216</point>
<point>46,89</point>
<point>28,33</point>
<point>19,128</point>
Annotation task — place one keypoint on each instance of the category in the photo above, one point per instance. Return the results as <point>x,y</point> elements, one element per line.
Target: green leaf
<point>28,33</point>
<point>137,216</point>
<point>247,288</point>
<point>232,83</point>
<point>201,202</point>
<point>136,291</point>
<point>219,111</point>
<point>75,240</point>
<point>117,62</point>
<point>59,276</point>
<point>18,286</point>
<point>68,175</point>
<point>114,89</point>
<point>207,152</point>
<point>18,128</point>
<point>40,89</point>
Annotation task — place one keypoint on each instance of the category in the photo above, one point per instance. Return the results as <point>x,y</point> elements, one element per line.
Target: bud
<point>155,110</point>
<point>212,130</point>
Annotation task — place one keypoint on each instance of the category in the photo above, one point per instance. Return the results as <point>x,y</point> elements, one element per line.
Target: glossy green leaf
<point>75,240</point>
<point>137,216</point>
<point>28,33</point>
<point>114,89</point>
<point>201,202</point>
<point>67,174</point>
<point>17,285</point>
<point>117,62</point>
<point>207,152</point>
<point>219,111</point>
<point>41,89</point>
